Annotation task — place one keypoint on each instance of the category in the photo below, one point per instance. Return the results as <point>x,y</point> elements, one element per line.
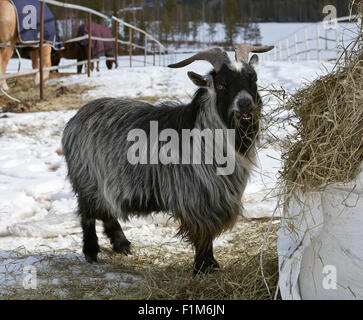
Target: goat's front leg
<point>204,259</point>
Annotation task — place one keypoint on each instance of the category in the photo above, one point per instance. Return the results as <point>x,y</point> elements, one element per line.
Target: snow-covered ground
<point>37,205</point>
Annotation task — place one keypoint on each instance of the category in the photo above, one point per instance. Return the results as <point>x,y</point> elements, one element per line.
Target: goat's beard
<point>244,120</point>
<point>246,130</point>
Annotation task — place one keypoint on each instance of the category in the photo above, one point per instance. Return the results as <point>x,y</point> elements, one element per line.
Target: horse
<point>9,36</point>
<point>99,48</point>
<point>79,49</point>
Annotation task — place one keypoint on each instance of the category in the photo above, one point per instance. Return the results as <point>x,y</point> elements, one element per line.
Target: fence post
<point>154,47</point>
<point>145,50</point>
<point>318,41</point>
<point>41,52</point>
<point>288,49</point>
<point>280,46</point>
<point>306,44</point>
<point>337,40</point>
<point>275,53</point>
<point>116,44</point>
<point>297,55</point>
<point>89,54</point>
<point>130,36</point>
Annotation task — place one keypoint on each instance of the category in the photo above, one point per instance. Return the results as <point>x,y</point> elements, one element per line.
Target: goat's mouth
<point>242,116</point>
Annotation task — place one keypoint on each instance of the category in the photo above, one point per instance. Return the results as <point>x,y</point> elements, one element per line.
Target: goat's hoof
<point>122,246</point>
<point>206,267</point>
<point>91,258</point>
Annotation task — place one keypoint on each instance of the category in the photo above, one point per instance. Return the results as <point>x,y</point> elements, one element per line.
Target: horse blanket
<point>28,16</point>
<point>99,48</point>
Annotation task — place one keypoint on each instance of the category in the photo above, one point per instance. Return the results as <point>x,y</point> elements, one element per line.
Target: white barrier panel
<point>320,244</point>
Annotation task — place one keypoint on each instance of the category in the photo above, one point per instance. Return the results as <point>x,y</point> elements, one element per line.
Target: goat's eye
<point>220,87</point>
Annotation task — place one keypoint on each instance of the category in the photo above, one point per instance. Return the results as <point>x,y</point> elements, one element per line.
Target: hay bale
<point>321,177</point>
<point>327,146</point>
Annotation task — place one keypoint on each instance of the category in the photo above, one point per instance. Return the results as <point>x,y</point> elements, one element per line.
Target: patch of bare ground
<point>56,96</point>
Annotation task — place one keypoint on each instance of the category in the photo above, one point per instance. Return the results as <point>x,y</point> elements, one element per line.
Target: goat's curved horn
<point>216,57</point>
<point>242,51</point>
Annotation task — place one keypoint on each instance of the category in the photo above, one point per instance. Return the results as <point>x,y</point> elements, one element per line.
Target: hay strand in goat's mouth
<point>327,146</point>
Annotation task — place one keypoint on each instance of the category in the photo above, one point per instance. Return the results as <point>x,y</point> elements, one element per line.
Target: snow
<point>37,205</point>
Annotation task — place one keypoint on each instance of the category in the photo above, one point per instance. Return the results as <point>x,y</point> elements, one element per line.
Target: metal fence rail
<point>148,40</point>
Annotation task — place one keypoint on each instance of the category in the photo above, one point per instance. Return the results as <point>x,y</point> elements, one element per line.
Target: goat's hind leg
<point>90,240</point>
<point>204,259</point>
<point>88,222</point>
<point>117,237</point>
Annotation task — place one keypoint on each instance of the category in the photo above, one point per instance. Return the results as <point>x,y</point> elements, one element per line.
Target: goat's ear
<point>254,61</point>
<point>197,79</point>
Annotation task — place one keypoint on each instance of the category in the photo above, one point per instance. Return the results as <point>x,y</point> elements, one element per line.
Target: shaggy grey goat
<point>96,143</point>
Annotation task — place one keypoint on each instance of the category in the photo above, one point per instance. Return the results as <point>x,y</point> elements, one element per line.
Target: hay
<point>327,146</point>
<point>56,96</point>
<point>151,272</point>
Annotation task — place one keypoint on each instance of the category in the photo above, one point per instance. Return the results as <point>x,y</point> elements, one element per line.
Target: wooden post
<point>41,51</point>
<point>89,44</point>
<point>116,44</point>
<point>154,47</point>
<point>145,49</point>
<point>65,24</point>
<point>133,12</point>
<point>130,32</point>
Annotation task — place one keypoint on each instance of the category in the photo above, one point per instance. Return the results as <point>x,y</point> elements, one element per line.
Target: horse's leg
<point>47,62</point>
<point>79,67</point>
<point>3,84</point>
<point>8,35</point>
<point>98,66</point>
<point>34,55</point>
<point>6,55</point>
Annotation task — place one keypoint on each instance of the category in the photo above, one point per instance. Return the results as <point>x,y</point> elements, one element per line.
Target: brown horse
<point>79,50</point>
<point>74,50</point>
<point>9,36</point>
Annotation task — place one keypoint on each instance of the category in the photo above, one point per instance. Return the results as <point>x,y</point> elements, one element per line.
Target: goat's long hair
<point>95,147</point>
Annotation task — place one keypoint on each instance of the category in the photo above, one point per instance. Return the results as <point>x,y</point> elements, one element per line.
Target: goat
<point>96,141</point>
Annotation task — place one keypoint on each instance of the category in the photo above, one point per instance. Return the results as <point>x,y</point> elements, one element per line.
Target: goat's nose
<point>245,104</point>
